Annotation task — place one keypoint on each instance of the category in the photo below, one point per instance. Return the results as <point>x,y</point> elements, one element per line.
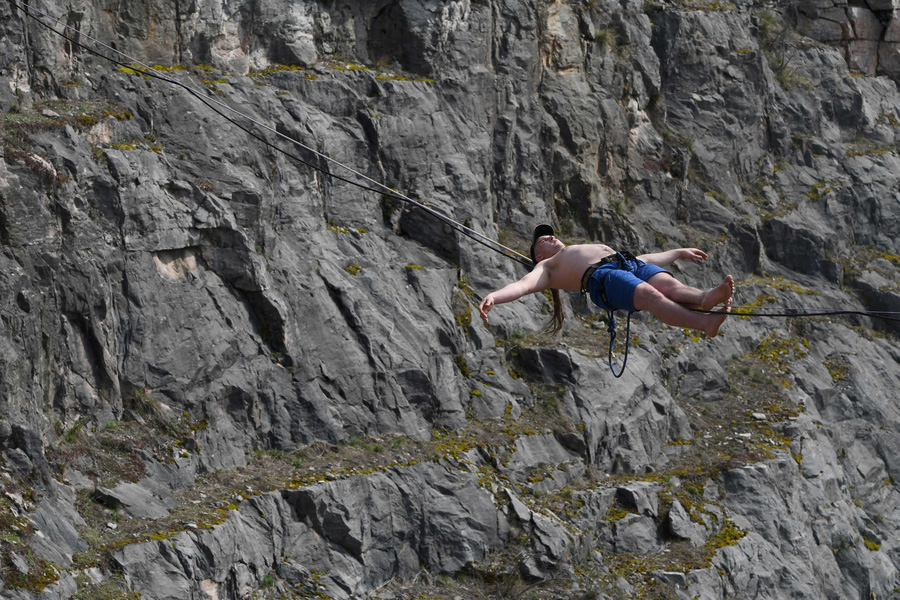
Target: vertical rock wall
<point>226,374</point>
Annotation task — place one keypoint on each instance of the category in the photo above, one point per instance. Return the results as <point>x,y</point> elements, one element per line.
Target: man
<point>617,281</point>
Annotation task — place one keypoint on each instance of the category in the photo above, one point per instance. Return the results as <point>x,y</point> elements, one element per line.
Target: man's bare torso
<point>568,265</point>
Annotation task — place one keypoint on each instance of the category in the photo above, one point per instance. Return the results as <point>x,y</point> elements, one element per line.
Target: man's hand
<point>485,307</point>
<point>692,254</point>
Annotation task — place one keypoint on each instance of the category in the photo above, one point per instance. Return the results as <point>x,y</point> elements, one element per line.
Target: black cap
<point>539,231</point>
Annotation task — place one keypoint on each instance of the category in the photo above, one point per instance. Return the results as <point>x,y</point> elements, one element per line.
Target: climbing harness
<point>621,257</point>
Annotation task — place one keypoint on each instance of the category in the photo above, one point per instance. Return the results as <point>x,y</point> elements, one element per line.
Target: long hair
<point>556,321</point>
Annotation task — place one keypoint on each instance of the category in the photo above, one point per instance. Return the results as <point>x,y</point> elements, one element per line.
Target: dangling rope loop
<point>612,339</point>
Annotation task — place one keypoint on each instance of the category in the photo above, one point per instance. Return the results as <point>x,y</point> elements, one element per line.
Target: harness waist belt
<point>586,278</point>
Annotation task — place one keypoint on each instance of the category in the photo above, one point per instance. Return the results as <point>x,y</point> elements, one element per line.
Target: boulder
<point>636,534</point>
<point>58,539</point>
<point>883,5</point>
<point>798,248</point>
<point>889,59</point>
<point>880,294</point>
<point>641,497</point>
<point>866,26</point>
<point>831,28</point>
<point>133,499</point>
<point>681,526</point>
<point>892,31</point>
<point>862,56</point>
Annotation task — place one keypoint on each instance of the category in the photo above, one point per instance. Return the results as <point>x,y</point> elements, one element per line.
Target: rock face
<point>227,371</point>
<point>867,31</point>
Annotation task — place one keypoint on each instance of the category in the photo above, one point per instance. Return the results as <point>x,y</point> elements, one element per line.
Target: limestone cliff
<point>227,374</point>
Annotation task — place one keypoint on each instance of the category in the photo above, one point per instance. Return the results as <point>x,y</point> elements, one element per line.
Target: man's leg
<point>678,292</point>
<point>647,297</point>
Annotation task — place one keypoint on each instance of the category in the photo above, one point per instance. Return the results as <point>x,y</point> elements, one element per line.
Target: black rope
<point>802,312</point>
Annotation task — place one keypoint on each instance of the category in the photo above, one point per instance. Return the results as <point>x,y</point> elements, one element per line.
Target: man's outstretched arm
<point>535,281</point>
<point>661,259</point>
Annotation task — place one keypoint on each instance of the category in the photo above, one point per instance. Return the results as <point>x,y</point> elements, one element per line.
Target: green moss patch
<point>17,126</point>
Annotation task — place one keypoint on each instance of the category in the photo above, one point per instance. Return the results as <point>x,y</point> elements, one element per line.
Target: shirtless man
<point>638,284</point>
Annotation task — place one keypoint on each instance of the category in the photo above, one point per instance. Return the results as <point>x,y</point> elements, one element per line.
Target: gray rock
<point>704,378</point>
<point>55,522</point>
<point>636,534</point>
<point>798,248</point>
<point>326,528</point>
<point>77,480</point>
<point>20,564</point>
<point>862,56</point>
<point>521,510</point>
<point>866,25</point>
<point>892,30</point>
<point>683,527</point>
<point>133,499</point>
<point>534,450</point>
<point>19,461</point>
<point>889,59</point>
<point>832,29</point>
<point>640,496</point>
<point>879,293</point>
<point>672,577</point>
<point>883,4</point>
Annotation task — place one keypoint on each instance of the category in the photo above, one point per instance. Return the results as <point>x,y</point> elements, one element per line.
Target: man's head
<point>544,243</point>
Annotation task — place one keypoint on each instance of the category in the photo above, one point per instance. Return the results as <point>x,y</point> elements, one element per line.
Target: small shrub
<point>75,431</point>
<point>605,38</point>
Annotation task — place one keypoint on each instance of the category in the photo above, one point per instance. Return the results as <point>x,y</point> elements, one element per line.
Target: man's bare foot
<point>719,294</point>
<point>717,318</point>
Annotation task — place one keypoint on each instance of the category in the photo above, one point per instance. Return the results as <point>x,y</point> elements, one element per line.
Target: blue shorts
<point>617,281</point>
